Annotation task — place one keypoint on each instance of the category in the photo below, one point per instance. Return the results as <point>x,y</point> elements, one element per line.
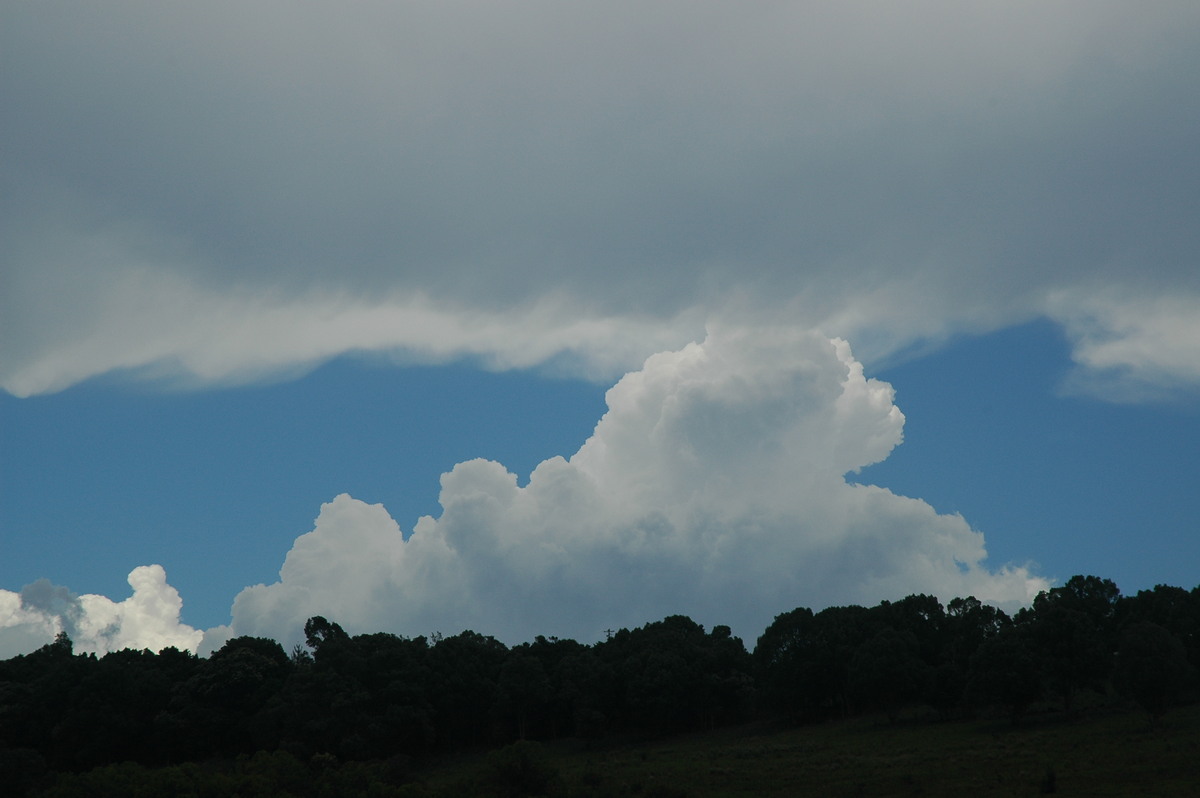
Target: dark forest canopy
<point>373,697</point>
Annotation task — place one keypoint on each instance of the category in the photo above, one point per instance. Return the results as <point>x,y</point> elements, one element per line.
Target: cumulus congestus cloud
<point>149,618</point>
<point>714,485</point>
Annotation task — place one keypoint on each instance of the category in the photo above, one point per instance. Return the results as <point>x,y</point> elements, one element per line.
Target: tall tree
<point>1073,631</point>
<point>1005,672</point>
<point>1151,667</point>
<point>887,671</point>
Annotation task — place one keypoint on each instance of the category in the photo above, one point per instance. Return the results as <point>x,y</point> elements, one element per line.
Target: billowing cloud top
<point>212,192</point>
<point>147,619</point>
<point>713,486</point>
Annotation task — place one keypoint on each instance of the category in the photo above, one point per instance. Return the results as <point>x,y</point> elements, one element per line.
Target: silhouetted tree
<point>672,676</point>
<point>887,672</point>
<point>226,706</point>
<point>465,670</point>
<point>1004,671</point>
<point>522,690</point>
<point>839,632</point>
<point>1176,610</point>
<point>1151,667</point>
<point>1071,629</point>
<point>557,716</point>
<point>789,662</point>
<point>322,634</point>
<point>921,616</point>
<point>589,689</point>
<point>969,622</point>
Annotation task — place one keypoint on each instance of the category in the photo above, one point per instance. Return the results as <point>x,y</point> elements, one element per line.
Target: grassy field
<point>1106,753</point>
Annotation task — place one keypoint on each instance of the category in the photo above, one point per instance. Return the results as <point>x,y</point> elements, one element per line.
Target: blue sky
<point>1075,484</point>
<point>107,475</point>
<point>676,308</point>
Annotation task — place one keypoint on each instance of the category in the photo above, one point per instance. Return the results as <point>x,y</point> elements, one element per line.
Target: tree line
<point>388,698</point>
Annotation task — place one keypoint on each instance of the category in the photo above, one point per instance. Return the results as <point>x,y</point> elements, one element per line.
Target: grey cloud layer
<point>383,177</point>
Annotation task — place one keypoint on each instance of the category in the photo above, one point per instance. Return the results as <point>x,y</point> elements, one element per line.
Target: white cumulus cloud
<point>148,619</point>
<point>714,486</point>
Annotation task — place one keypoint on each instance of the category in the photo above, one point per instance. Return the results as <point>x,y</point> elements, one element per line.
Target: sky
<point>544,318</point>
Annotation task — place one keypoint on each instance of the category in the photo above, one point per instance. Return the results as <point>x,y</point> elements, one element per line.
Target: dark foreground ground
<point>1104,754</point>
<point>1101,752</point>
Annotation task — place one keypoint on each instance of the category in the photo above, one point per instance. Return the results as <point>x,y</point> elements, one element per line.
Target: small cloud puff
<point>714,486</point>
<point>149,619</point>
